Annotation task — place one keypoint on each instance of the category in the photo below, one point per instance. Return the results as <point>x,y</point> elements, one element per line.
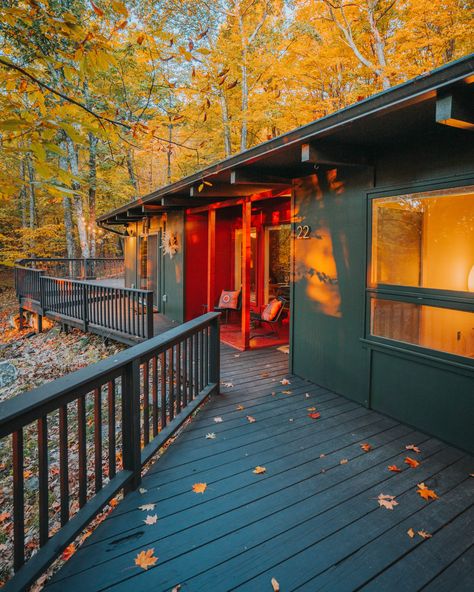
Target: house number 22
<point>303,231</point>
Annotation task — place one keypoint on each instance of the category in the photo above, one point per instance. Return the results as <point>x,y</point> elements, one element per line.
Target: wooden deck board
<point>309,521</point>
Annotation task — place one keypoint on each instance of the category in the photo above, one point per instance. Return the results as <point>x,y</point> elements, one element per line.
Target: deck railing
<point>92,432</point>
<point>79,269</point>
<point>123,313</point>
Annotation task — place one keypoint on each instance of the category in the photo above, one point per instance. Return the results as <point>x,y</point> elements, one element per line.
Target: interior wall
<point>196,266</point>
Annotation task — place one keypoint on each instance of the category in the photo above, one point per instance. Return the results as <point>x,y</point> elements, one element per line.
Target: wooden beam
<point>452,109</point>
<point>334,155</point>
<point>223,190</point>
<point>187,202</point>
<point>211,260</point>
<point>246,255</point>
<point>243,177</point>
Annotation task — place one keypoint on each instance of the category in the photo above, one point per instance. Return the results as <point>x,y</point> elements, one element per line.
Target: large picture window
<point>423,248</point>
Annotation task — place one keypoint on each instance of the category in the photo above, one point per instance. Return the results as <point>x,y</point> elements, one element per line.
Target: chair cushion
<point>229,299</point>
<point>270,312</point>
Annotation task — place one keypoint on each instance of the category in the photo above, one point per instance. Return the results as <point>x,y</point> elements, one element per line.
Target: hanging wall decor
<point>170,243</point>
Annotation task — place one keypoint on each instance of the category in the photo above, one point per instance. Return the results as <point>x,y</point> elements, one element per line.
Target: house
<point>364,222</point>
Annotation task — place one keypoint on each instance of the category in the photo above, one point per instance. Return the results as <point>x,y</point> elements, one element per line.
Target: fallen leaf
<point>411,533</point>
<point>113,502</point>
<point>240,407</point>
<point>311,408</point>
<point>145,559</point>
<point>142,490</point>
<point>251,419</point>
<point>306,395</point>
<point>4,516</point>
<point>146,507</point>
<point>199,487</point>
<point>210,436</point>
<point>322,456</point>
<point>285,381</point>
<point>424,534</point>
<point>286,392</point>
<point>68,552</point>
<point>227,384</point>
<point>236,355</point>
<point>264,375</point>
<point>366,447</point>
<point>314,415</point>
<point>151,519</point>
<point>259,470</point>
<point>218,419</point>
<point>275,585</point>
<point>343,461</point>
<point>27,474</point>
<point>176,588</point>
<point>412,447</point>
<point>394,468</point>
<point>387,501</point>
<point>426,493</point>
<point>411,462</point>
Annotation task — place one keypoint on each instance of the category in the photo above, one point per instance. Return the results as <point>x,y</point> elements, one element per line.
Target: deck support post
<point>211,260</point>
<point>149,315</point>
<point>215,354</point>
<point>20,319</point>
<point>131,424</point>
<point>246,255</point>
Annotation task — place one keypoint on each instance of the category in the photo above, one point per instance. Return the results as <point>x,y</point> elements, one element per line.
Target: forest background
<point>103,101</point>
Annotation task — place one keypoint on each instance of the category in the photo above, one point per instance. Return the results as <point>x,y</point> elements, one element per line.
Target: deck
<point>311,521</point>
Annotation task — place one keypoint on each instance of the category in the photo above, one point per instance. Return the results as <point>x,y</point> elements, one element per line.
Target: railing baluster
<point>154,394</point>
<point>146,410</point>
<point>201,360</point>
<point>163,389</point>
<point>81,427</point>
<point>63,465</point>
<point>111,427</point>
<point>185,372</point>
<point>43,492</point>
<point>98,438</point>
<point>18,501</point>
<point>179,404</point>
<point>171,389</point>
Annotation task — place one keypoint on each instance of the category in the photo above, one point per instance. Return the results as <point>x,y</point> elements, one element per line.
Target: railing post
<point>42,295</point>
<point>215,354</point>
<point>131,423</point>
<point>85,307</point>
<point>149,315</point>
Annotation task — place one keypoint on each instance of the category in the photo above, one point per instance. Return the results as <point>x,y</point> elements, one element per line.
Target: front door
<point>149,261</point>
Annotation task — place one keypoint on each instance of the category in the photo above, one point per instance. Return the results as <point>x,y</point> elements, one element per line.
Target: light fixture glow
<point>470,280</point>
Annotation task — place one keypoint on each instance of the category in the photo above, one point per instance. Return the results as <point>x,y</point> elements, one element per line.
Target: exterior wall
<point>330,343</point>
<point>172,278</point>
<point>131,259</point>
<point>196,264</point>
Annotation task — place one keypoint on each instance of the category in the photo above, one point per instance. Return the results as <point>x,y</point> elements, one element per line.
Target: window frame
<point>450,299</point>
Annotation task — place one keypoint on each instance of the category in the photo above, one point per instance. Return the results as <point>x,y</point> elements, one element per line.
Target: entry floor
<point>261,336</point>
<point>311,520</point>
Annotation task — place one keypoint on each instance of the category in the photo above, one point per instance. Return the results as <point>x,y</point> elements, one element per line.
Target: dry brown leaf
<point>311,409</point>
<point>411,462</point>
<point>412,447</point>
<point>411,533</point>
<point>251,419</point>
<point>285,381</point>
<point>4,516</point>
<point>176,588</point>
<point>68,552</point>
<point>199,487</point>
<point>426,493</point>
<point>147,507</point>
<point>387,501</point>
<point>275,585</point>
<point>218,419</point>
<point>366,447</point>
<point>259,470</point>
<point>145,559</point>
<point>394,469</point>
<point>424,534</point>
<point>315,415</point>
<point>240,407</point>
<point>286,392</point>
<point>343,461</point>
<point>210,436</point>
<point>149,520</point>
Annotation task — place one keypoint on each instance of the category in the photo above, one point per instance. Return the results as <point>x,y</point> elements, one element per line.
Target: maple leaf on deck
<point>145,559</point>
<point>366,447</point>
<point>149,520</point>
<point>311,409</point>
<point>411,462</point>
<point>411,533</point>
<point>285,381</point>
<point>211,436</point>
<point>275,585</point>
<point>426,493</point>
<point>146,507</point>
<point>240,407</point>
<point>199,487</point>
<point>218,419</point>
<point>343,461</point>
<point>142,490</point>
<point>394,468</point>
<point>176,588</point>
<point>68,552</point>
<point>286,392</point>
<point>227,384</point>
<point>251,419</point>
<point>314,415</point>
<point>4,516</point>
<point>424,534</point>
<point>259,470</point>
<point>387,501</point>
<point>412,447</point>
<point>113,502</point>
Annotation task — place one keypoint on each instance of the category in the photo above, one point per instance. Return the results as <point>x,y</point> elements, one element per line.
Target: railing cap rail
<point>95,284</point>
<point>29,406</point>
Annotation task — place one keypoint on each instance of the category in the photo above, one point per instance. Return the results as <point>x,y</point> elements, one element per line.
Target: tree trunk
<point>131,170</point>
<point>244,105</point>
<point>379,45</point>
<point>77,198</point>
<point>93,141</point>
<point>67,212</point>
<point>225,124</point>
<point>31,182</point>
<point>168,152</point>
<point>22,194</point>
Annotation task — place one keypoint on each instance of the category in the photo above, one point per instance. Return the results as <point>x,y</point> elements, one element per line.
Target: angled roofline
<point>417,89</point>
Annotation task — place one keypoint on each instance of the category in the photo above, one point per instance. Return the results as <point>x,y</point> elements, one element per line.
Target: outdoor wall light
<point>470,280</point>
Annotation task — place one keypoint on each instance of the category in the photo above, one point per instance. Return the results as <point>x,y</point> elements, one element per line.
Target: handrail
<point>76,267</point>
<point>142,394</point>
